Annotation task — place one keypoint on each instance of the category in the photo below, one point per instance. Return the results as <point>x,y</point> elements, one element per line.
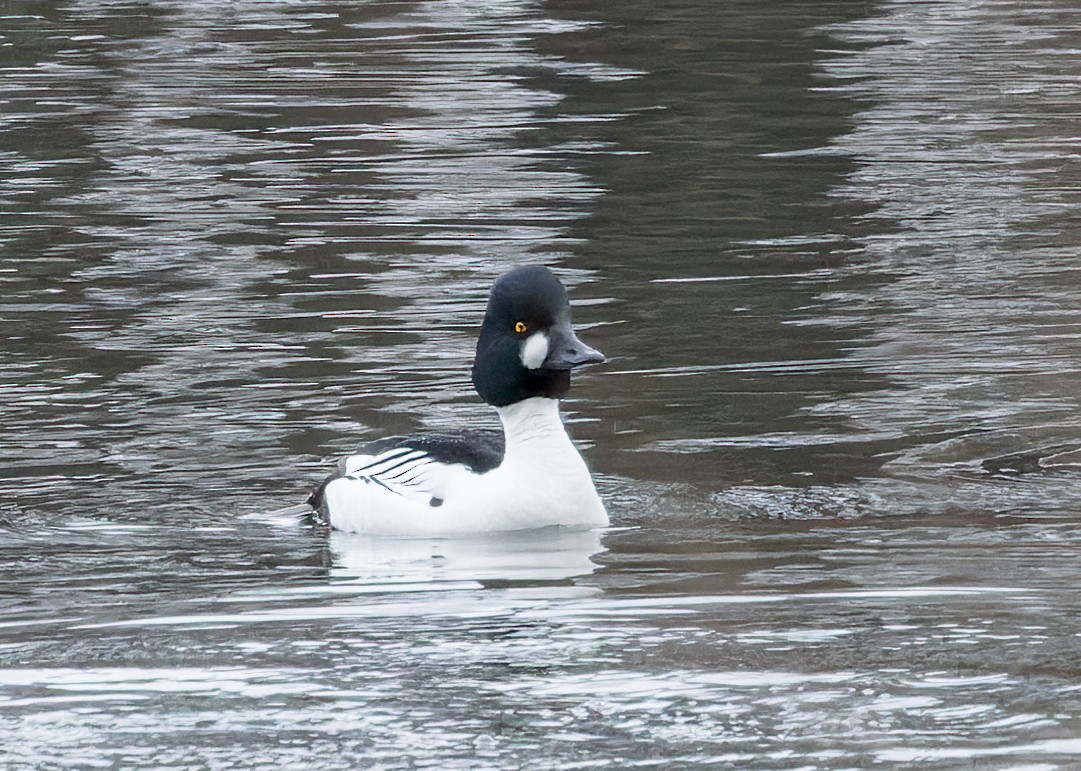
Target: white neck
<point>533,424</point>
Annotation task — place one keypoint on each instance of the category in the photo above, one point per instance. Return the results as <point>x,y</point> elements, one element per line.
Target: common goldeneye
<point>528,476</point>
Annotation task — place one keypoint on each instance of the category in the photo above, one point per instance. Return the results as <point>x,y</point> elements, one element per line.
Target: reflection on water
<point>540,556</point>
<point>830,250</point>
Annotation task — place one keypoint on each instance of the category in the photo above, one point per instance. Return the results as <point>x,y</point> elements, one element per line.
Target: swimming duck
<point>530,475</point>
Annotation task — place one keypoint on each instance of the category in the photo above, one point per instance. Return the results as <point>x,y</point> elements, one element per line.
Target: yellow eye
<point>520,327</point>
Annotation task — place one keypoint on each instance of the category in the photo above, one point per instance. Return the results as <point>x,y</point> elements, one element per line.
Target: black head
<point>526,346</point>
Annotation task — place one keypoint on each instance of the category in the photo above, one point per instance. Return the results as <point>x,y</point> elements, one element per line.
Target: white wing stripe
<point>423,476</point>
<point>381,464</point>
<point>407,474</point>
<point>405,471</point>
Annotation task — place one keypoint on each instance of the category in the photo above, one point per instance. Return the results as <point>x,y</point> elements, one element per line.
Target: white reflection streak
<point>916,755</point>
<point>566,602</point>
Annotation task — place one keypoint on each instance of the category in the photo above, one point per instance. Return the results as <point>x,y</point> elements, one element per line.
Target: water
<point>830,252</point>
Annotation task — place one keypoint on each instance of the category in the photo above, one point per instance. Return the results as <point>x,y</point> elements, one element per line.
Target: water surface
<point>830,252</point>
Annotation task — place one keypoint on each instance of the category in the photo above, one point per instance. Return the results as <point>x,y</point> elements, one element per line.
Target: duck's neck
<point>534,425</point>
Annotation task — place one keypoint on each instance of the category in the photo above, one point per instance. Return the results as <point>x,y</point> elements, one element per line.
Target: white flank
<point>534,350</point>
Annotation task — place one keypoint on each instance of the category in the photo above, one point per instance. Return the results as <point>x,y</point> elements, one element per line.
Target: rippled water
<point>831,251</point>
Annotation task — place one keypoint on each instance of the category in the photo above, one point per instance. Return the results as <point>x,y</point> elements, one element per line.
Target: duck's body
<point>416,488</point>
<point>532,476</point>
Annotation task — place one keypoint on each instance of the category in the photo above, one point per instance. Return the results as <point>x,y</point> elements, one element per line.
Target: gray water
<point>832,252</point>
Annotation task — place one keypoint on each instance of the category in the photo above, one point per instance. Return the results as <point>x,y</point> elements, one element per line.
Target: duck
<point>529,475</point>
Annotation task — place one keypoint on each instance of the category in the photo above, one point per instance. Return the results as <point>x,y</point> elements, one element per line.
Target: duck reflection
<point>518,558</point>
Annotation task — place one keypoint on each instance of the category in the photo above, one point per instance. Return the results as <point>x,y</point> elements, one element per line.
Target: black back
<point>479,450</point>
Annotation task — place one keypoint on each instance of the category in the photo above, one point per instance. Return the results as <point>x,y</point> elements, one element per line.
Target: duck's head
<point>527,346</point>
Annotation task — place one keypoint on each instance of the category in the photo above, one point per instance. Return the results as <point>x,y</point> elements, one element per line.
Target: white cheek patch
<point>534,350</point>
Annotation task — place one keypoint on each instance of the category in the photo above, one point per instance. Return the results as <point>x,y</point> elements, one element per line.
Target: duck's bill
<point>566,351</point>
